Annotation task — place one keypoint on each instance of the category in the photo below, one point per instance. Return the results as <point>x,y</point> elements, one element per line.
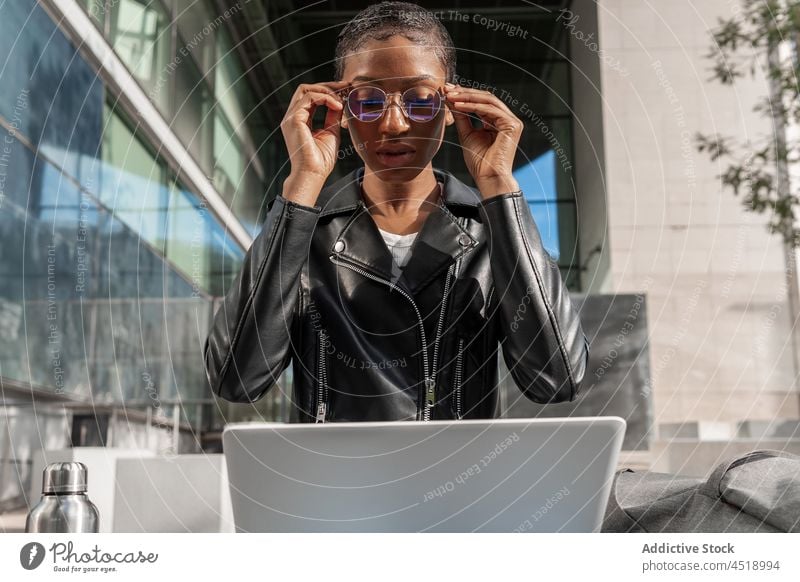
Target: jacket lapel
<point>438,245</point>
<point>364,246</point>
<point>440,242</point>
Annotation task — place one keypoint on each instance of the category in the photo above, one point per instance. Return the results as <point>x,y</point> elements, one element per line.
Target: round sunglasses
<point>368,103</point>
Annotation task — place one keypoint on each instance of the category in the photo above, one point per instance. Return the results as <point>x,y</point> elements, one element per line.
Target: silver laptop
<point>501,475</point>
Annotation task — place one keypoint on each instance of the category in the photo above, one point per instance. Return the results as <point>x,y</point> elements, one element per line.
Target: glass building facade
<point>109,263</point>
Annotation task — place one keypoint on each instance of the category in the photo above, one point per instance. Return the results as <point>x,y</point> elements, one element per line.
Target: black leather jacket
<point>369,342</point>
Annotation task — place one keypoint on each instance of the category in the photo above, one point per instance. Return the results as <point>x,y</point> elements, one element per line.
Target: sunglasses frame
<point>345,93</point>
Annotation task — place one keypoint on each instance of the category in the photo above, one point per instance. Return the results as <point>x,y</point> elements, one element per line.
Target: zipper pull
<point>321,412</point>
<point>430,384</point>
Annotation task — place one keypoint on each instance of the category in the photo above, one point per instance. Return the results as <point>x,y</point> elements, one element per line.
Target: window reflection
<point>544,173</point>
<point>140,35</point>
<point>229,158</point>
<point>107,262</point>
<point>192,105</point>
<point>199,245</point>
<point>230,84</point>
<point>196,27</point>
<point>132,182</point>
<point>96,10</point>
<point>238,174</point>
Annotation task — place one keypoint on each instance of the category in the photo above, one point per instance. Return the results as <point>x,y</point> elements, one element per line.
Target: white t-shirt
<point>399,245</point>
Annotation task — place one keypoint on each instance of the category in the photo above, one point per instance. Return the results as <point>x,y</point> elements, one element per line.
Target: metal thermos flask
<point>64,507</point>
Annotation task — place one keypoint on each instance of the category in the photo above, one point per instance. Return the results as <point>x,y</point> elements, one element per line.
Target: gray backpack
<point>755,492</point>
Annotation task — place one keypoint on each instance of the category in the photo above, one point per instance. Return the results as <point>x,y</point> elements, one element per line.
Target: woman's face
<point>394,65</point>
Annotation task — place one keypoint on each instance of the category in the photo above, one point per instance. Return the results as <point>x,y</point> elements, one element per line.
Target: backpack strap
<point>712,486</point>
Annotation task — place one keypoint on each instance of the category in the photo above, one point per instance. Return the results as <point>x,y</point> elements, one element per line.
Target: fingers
<point>462,123</point>
<point>307,103</point>
<point>469,94</point>
<point>313,150</point>
<point>491,115</point>
<point>493,112</point>
<point>333,119</point>
<point>332,88</point>
<point>487,105</point>
<point>333,103</point>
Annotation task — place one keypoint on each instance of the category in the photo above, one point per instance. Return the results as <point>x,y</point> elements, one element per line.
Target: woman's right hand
<point>312,152</point>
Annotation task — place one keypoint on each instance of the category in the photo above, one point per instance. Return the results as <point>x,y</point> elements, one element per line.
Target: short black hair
<point>386,19</point>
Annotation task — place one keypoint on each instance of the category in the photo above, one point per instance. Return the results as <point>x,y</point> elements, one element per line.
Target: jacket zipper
<point>430,394</point>
<point>430,381</point>
<point>322,381</point>
<point>459,362</point>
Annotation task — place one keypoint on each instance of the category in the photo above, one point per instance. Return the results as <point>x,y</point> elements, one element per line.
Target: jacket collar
<point>440,242</point>
<point>344,195</point>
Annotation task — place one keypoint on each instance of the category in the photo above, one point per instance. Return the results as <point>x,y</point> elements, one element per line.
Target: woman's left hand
<point>488,150</point>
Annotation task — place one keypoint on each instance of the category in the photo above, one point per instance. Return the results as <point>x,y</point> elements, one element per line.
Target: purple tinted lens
<point>368,103</point>
<point>422,103</point>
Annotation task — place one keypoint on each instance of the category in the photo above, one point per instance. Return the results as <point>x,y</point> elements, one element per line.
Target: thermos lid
<point>64,477</point>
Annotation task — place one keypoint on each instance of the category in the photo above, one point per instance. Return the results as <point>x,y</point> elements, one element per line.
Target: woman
<point>380,335</point>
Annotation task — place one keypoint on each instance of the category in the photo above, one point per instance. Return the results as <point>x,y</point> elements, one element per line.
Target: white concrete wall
<point>182,493</point>
<point>714,276</point>
<point>588,146</point>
